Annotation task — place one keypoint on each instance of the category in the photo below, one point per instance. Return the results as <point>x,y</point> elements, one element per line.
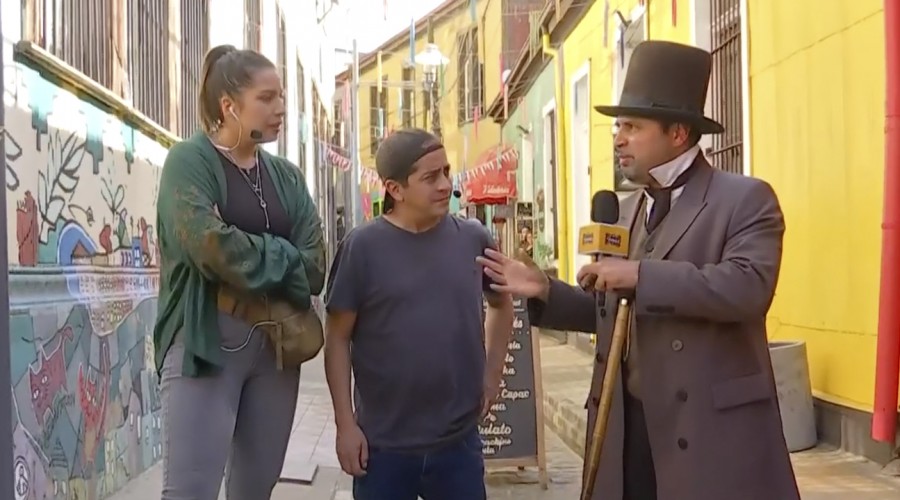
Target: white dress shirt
<point>666,174</point>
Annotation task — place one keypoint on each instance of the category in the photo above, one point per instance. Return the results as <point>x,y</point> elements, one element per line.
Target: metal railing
<point>148,58</point>
<point>77,31</point>
<point>253,24</point>
<point>727,152</point>
<point>281,62</point>
<point>194,45</point>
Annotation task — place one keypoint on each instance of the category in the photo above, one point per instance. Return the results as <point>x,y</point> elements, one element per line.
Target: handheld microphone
<point>604,237</point>
<point>256,135</point>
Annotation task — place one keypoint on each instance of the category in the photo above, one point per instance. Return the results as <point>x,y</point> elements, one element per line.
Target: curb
<point>568,420</point>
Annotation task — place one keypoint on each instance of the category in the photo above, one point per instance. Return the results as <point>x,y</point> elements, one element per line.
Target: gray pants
<point>241,417</point>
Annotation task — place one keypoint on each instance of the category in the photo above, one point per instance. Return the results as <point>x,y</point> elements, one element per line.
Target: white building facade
<point>94,93</point>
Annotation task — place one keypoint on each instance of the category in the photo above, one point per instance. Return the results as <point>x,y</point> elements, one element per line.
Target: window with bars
<point>470,75</point>
<point>378,119</point>
<point>194,45</point>
<point>408,109</point>
<point>253,24</point>
<point>281,57</point>
<point>727,150</point>
<point>148,58</point>
<point>126,46</point>
<point>80,32</point>
<point>301,111</point>
<point>427,103</point>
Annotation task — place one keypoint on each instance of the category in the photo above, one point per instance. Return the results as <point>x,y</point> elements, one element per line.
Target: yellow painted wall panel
<point>585,44</point>
<point>817,117</point>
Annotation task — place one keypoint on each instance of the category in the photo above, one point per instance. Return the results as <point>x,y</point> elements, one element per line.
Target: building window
<point>194,45</point>
<point>148,58</point>
<point>80,32</point>
<point>378,105</point>
<point>727,150</point>
<point>301,112</point>
<point>470,74</point>
<point>408,94</point>
<point>281,57</point>
<point>253,24</point>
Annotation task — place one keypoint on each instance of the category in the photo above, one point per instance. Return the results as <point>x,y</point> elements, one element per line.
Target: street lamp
<point>432,61</point>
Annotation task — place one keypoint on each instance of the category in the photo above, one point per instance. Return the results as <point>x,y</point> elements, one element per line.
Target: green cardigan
<point>198,251</point>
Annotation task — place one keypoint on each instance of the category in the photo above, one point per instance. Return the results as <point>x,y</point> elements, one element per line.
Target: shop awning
<point>493,180</point>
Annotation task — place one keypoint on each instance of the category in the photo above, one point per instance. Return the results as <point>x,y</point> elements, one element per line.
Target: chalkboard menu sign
<point>513,431</point>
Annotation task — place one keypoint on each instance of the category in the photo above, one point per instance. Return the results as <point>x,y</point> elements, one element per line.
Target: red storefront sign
<point>493,180</point>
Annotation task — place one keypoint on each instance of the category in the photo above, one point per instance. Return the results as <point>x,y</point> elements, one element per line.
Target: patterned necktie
<point>662,199</point>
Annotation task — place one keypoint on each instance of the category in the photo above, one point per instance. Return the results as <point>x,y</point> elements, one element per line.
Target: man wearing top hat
<point>695,414</point>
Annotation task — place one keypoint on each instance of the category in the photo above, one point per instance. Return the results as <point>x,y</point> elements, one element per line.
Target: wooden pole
<point>614,359</point>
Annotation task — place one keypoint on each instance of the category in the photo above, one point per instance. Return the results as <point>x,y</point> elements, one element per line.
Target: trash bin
<point>795,400</point>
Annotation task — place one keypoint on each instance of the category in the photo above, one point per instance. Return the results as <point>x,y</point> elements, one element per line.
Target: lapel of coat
<point>688,206</point>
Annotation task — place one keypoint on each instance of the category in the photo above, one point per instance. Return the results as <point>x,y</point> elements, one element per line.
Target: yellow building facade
<point>594,74</point>
<point>811,123</point>
<point>470,38</point>
<point>817,135</point>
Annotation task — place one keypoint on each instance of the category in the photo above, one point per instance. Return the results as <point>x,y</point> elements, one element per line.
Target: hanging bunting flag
<point>385,10</point>
<point>472,13</point>
<point>378,83</point>
<point>674,12</point>
<point>412,41</point>
<point>606,24</point>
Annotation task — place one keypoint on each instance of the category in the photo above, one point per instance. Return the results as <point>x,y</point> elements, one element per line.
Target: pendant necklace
<point>256,186</point>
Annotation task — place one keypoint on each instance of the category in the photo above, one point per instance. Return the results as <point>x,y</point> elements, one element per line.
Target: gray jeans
<point>241,417</point>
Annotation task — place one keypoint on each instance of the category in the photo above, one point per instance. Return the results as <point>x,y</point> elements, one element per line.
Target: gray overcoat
<point>706,378</point>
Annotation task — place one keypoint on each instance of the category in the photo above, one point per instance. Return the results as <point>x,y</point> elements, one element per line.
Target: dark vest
<point>641,245</point>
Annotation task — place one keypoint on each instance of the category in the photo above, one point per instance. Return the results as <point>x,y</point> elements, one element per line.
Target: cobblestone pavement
<point>822,474</point>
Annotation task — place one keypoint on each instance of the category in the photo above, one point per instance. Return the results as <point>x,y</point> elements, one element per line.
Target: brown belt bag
<point>296,335</point>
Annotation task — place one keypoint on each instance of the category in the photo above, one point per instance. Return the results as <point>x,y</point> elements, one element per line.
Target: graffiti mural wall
<point>83,283</point>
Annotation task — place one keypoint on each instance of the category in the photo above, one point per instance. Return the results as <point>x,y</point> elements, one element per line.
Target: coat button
<point>602,312</point>
<point>599,358</point>
<point>677,345</point>
<point>682,443</point>
<point>648,247</point>
<point>681,395</point>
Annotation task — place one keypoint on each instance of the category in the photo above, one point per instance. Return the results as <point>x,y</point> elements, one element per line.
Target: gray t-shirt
<point>417,348</point>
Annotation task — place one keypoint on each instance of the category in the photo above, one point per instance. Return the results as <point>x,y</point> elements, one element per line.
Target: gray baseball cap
<point>398,153</point>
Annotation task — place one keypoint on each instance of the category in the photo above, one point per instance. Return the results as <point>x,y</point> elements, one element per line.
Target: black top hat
<point>667,80</point>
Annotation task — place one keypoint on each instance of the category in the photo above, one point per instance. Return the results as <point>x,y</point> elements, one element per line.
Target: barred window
<point>194,45</point>
<point>470,74</point>
<point>80,32</point>
<point>281,62</point>
<point>148,58</point>
<point>253,24</point>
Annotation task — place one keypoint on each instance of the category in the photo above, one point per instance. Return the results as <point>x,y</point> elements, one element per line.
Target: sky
<point>366,19</point>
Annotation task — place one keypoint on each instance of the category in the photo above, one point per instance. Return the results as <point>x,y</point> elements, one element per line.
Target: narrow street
<point>311,455</point>
<point>823,474</point>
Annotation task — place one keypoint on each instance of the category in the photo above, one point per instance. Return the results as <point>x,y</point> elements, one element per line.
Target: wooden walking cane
<point>614,360</point>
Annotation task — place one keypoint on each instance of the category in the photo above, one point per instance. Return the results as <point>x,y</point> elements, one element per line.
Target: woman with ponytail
<point>240,239</point>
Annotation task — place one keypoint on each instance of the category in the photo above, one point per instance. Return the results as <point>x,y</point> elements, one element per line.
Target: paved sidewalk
<point>311,452</point>
<point>822,473</point>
